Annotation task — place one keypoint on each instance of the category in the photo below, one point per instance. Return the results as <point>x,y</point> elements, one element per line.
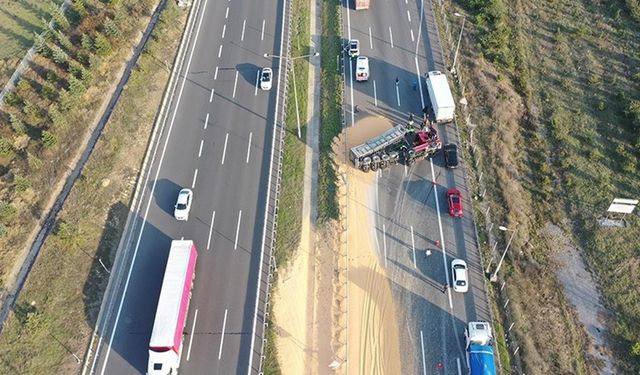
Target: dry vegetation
<point>56,311</point>
<point>554,87</point>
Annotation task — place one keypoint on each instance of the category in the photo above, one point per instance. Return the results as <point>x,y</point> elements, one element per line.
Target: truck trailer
<point>480,357</point>
<point>165,346</point>
<point>400,144</point>
<point>440,97</point>
<point>361,4</point>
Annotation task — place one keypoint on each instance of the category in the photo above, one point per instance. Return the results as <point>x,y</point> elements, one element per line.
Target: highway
<point>217,139</point>
<point>401,41</point>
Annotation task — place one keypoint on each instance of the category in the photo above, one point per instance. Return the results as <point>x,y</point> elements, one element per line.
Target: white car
<point>354,48</point>
<point>183,204</point>
<point>460,275</point>
<point>265,78</point>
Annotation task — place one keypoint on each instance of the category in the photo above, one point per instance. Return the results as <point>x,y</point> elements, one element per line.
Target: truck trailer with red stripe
<point>165,346</point>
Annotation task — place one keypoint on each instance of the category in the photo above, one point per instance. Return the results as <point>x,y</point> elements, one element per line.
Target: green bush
<point>49,139</point>
<point>12,99</point>
<point>87,42</point>
<point>21,183</point>
<point>58,119</point>
<point>34,161</point>
<point>102,45</point>
<point>6,147</point>
<point>7,211</point>
<point>60,20</point>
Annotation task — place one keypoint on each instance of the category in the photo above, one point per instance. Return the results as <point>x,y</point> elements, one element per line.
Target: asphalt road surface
<point>401,41</point>
<point>218,141</point>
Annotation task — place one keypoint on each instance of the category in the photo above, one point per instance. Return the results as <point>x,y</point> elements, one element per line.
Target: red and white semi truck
<point>165,346</point>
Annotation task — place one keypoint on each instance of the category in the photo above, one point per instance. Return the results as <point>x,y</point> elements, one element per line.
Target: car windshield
<point>181,206</point>
<point>354,45</point>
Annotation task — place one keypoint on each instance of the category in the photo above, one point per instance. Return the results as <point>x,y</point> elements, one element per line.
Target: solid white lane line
<point>398,95</point>
<point>220,51</point>
<point>255,93</point>
<point>391,36</point>
<point>424,364</point>
<point>235,84</point>
<point>215,75</point>
<point>193,327</point>
<point>211,95</point>
<point>405,170</point>
<point>195,177</point>
<point>420,28</point>
<point>413,245</point>
<point>244,24</point>
<point>353,114</point>
<point>206,121</point>
<point>249,147</point>
<point>384,243</point>
<point>235,246</point>
<point>375,93</point>
<point>224,151</point>
<point>408,15</point>
<point>226,15</point>
<point>201,144</point>
<point>224,327</point>
<point>213,219</point>
<point>262,32</point>
<point>370,39</point>
<point>412,38</point>
<point>419,81</point>
<point>146,212</point>
<point>224,30</point>
<point>459,366</point>
<point>442,246</point>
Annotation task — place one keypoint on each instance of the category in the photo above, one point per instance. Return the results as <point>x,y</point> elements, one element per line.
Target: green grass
<point>56,311</point>
<point>19,20</point>
<point>331,110</point>
<point>560,138</point>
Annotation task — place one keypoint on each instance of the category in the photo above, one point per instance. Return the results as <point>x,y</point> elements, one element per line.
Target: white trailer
<point>440,96</point>
<point>165,346</point>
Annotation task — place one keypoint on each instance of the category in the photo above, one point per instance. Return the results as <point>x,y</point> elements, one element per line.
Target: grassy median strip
<point>330,109</point>
<point>293,162</point>
<point>54,316</point>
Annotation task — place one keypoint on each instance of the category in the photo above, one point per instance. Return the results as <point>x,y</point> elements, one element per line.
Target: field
<point>54,315</point>
<point>19,20</point>
<point>554,91</point>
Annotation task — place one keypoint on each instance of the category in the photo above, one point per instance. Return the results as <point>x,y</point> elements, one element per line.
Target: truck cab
<point>480,357</point>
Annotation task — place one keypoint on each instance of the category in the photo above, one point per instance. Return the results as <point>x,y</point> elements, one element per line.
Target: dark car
<point>451,155</point>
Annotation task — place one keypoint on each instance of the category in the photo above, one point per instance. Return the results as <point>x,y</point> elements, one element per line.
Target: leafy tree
<point>102,45</point>
<point>17,125</point>
<point>76,88</point>
<point>60,19</point>
<point>87,42</point>
<point>80,8</point>
<point>111,29</point>
<point>59,55</point>
<point>57,118</point>
<point>49,139</point>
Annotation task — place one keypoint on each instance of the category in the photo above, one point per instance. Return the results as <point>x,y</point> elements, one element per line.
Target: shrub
<point>60,19</point>
<point>21,183</point>
<point>111,29</point>
<point>63,41</point>
<point>57,118</point>
<point>87,42</point>
<point>67,101</point>
<point>12,99</point>
<point>76,88</point>
<point>39,43</point>
<point>49,92</point>
<point>23,85</point>
<point>17,125</point>
<point>80,8</point>
<point>6,147</point>
<point>31,111</point>
<point>59,55</point>
<point>3,230</point>
<point>34,161</point>
<point>7,211</point>
<point>94,61</point>
<point>49,139</point>
<point>52,76</point>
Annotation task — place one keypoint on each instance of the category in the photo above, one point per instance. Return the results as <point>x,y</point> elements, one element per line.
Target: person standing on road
<point>444,288</point>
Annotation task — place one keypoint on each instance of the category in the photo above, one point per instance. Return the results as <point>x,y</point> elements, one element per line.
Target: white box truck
<point>165,346</point>
<point>440,96</point>
<point>362,4</point>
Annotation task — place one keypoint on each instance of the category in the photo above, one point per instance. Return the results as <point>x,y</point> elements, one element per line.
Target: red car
<point>455,202</point>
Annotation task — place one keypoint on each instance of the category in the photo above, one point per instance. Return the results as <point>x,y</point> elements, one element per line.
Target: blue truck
<point>480,358</point>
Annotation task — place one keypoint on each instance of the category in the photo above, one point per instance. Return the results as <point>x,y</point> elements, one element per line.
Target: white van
<point>362,68</point>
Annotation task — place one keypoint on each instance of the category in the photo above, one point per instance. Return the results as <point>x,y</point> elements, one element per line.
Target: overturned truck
<point>400,144</point>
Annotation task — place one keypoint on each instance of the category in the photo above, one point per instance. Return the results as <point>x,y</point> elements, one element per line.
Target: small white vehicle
<point>354,48</point>
<point>362,68</point>
<point>183,205</point>
<point>266,77</point>
<point>460,275</point>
